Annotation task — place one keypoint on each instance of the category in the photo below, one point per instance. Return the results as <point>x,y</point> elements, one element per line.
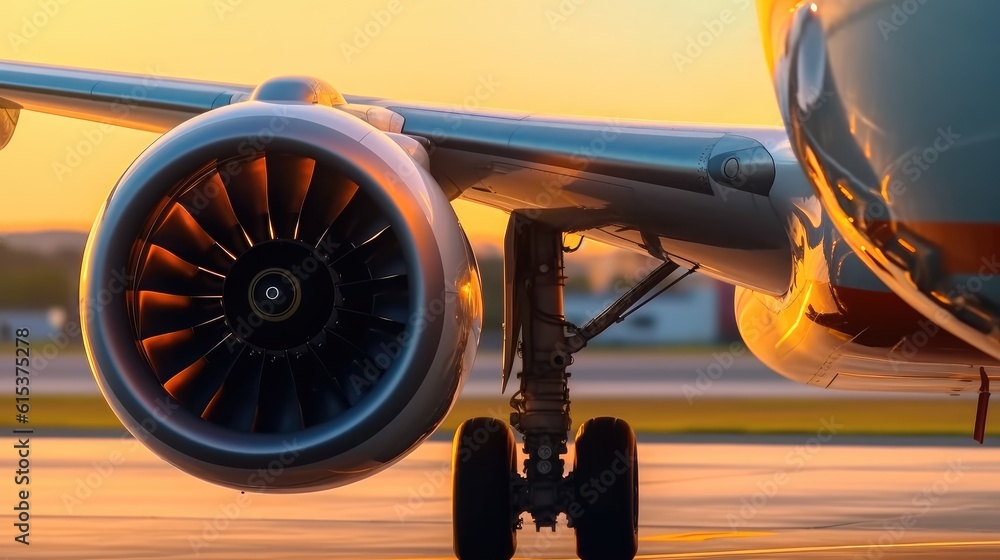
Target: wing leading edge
<point>146,102</point>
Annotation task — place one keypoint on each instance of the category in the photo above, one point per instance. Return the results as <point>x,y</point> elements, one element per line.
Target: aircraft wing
<point>695,193</point>
<point>143,102</point>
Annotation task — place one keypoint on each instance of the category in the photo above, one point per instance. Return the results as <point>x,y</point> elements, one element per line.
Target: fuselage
<point>838,325</point>
<point>890,108</point>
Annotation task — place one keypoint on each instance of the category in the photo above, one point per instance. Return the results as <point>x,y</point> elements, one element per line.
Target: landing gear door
<point>513,294</point>
<point>8,122</point>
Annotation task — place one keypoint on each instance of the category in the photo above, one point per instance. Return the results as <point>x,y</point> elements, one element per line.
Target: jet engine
<point>278,297</point>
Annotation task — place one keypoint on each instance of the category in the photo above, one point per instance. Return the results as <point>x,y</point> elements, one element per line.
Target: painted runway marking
<point>801,549</point>
<point>701,537</point>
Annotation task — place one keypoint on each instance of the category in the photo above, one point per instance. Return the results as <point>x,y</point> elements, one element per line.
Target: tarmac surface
<point>808,497</point>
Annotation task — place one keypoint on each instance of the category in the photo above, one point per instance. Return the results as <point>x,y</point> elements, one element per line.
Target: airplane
<point>277,295</point>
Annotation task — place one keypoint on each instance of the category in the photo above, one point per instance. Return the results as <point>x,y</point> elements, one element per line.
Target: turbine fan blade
<point>165,313</point>
<point>197,385</point>
<point>375,286</point>
<point>167,273</point>
<point>350,366</point>
<point>246,184</point>
<point>361,253</point>
<point>235,405</point>
<point>208,204</point>
<point>359,222</point>
<point>329,193</point>
<point>392,305</point>
<point>278,410</point>
<point>288,180</point>
<point>320,395</point>
<point>352,321</point>
<point>385,296</point>
<point>181,235</point>
<point>172,353</point>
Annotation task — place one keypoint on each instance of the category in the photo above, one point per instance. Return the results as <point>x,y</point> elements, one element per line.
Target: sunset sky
<point>637,59</point>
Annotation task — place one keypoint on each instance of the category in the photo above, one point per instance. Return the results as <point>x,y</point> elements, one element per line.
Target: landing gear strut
<point>600,497</point>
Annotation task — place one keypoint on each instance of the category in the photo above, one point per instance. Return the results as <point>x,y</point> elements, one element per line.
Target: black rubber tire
<point>606,512</point>
<point>484,457</point>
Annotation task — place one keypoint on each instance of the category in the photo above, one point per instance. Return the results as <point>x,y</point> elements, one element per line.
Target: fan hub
<point>275,294</point>
<point>279,295</point>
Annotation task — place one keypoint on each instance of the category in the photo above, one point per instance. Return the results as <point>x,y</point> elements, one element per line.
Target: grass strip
<point>869,416</point>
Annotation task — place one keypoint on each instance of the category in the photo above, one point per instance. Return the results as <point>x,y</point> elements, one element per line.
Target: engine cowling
<point>277,297</point>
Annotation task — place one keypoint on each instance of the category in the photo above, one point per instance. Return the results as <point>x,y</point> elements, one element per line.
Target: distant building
<point>685,316</point>
<point>43,324</point>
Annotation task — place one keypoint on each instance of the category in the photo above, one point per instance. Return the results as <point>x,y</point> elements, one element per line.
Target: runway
<point>810,497</point>
<point>595,374</point>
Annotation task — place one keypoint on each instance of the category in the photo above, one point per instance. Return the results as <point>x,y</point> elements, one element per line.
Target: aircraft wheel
<point>606,470</point>
<point>484,458</point>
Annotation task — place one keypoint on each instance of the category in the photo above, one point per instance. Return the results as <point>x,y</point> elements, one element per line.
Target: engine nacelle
<point>277,297</point>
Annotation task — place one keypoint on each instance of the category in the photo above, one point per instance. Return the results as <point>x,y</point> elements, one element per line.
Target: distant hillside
<point>46,243</point>
<point>40,269</point>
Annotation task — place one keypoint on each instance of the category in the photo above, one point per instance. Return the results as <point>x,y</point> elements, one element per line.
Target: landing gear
<point>600,498</point>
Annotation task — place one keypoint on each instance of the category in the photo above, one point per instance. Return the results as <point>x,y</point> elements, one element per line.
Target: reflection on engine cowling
<point>890,108</point>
